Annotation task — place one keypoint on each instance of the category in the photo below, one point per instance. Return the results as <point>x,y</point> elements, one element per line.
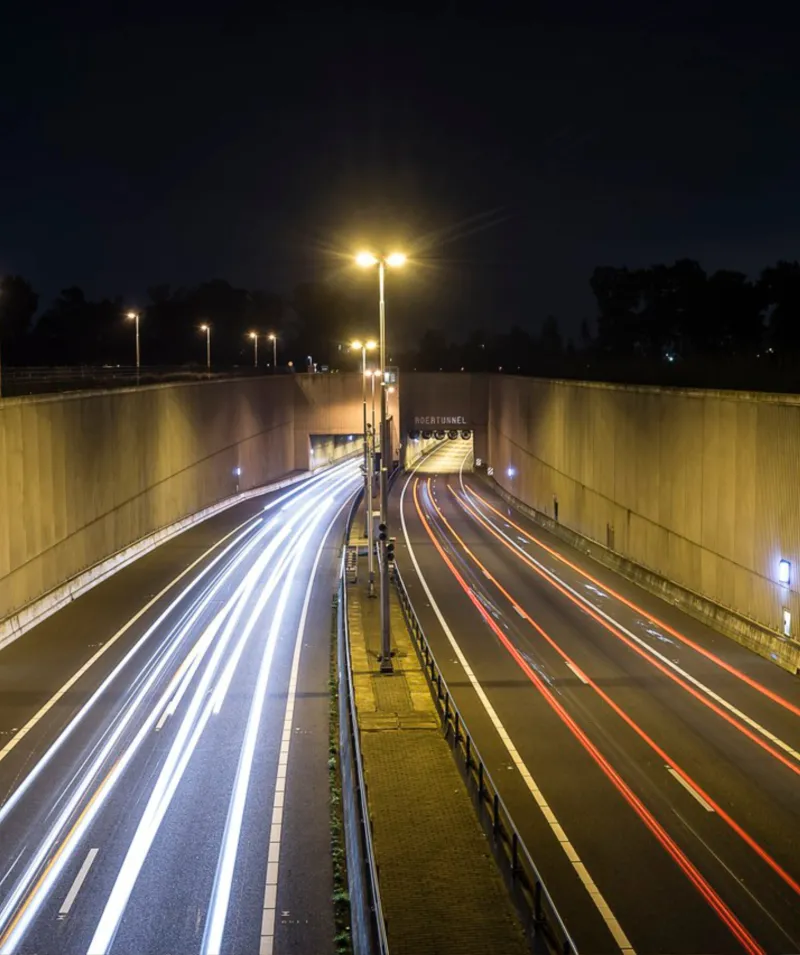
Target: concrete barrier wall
<point>446,395</point>
<point>702,488</point>
<point>84,475</point>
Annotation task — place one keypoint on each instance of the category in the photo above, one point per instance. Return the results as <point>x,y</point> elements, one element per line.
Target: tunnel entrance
<point>445,451</point>
<point>326,448</point>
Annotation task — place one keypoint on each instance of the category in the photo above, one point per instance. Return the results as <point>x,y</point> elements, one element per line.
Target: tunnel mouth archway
<point>454,446</point>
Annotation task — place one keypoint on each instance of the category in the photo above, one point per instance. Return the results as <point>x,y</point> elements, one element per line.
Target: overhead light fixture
<point>785,572</point>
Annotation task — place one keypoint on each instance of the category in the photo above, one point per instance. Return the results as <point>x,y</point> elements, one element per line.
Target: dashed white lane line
<point>80,878</point>
<point>45,709</point>
<point>267,942</point>
<point>672,664</point>
<point>690,789</point>
<point>578,673</point>
<point>582,872</point>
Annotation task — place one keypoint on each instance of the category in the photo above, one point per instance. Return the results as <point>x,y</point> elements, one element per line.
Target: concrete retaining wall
<point>697,488</point>
<point>83,476</point>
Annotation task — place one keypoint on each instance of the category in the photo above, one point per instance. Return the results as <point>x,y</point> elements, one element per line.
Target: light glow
<point>785,572</point>
<point>366,259</point>
<point>396,260</point>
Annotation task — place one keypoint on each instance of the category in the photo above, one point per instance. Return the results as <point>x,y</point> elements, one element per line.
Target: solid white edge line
<point>269,908</point>
<point>45,708</point>
<point>578,672</point>
<point>36,612</point>
<point>753,724</point>
<point>580,869</point>
<point>689,789</point>
<point>79,880</point>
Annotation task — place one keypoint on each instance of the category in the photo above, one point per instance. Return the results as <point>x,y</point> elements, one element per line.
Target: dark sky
<point>512,152</point>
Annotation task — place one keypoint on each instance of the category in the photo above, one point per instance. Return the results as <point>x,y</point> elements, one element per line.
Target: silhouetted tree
<point>18,303</point>
<point>550,342</point>
<point>619,300</point>
<point>779,289</point>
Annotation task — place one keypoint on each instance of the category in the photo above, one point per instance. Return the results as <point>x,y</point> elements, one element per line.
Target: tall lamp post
<point>254,336</point>
<point>134,317</point>
<point>396,260</point>
<point>274,339</point>
<point>366,346</point>
<point>207,330</point>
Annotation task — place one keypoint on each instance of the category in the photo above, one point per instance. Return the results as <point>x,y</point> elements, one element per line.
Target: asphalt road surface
<point>651,764</point>
<point>163,757</point>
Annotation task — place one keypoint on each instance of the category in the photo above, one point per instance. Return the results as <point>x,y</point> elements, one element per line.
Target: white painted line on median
<point>79,880</point>
<point>267,942</point>
<point>690,789</point>
<point>578,673</point>
<point>582,872</point>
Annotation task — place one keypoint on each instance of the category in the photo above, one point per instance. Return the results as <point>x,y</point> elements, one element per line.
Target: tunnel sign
<point>422,420</point>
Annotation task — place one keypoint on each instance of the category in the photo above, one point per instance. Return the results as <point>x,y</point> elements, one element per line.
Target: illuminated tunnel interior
<point>457,445</point>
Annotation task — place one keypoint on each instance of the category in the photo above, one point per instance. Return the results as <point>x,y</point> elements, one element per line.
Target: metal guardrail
<point>532,896</point>
<point>375,942</point>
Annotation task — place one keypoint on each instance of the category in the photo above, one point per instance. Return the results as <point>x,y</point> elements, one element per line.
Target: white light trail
<point>199,711</point>
<point>16,915</point>
<point>220,897</point>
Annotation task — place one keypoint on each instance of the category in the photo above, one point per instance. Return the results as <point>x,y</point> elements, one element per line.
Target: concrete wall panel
<point>701,487</point>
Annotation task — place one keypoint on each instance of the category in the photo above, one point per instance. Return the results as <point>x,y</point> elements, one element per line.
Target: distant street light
<point>254,336</point>
<point>395,260</point>
<point>365,346</point>
<point>207,330</point>
<point>274,339</point>
<point>134,317</point>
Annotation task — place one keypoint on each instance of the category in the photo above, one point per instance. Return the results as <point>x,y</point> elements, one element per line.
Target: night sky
<point>509,153</point>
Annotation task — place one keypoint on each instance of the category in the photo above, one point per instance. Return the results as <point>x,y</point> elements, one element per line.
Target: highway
<point>651,765</point>
<point>164,747</point>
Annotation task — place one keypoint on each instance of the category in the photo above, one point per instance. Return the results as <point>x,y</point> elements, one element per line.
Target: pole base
<point>386,664</point>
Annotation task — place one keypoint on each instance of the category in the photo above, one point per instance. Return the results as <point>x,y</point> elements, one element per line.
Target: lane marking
<point>745,836</point>
<point>26,910</point>
<point>79,880</point>
<point>45,709</point>
<point>578,672</point>
<point>754,684</point>
<point>612,924</point>
<point>703,886</point>
<point>690,789</point>
<point>618,629</point>
<point>267,941</point>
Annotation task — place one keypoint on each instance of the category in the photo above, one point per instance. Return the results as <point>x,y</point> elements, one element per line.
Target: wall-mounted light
<point>237,472</point>
<point>785,572</point>
<point>511,472</point>
<point>787,623</point>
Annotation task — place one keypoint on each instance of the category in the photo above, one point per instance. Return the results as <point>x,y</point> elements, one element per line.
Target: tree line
<point>75,330</point>
<point>667,324</point>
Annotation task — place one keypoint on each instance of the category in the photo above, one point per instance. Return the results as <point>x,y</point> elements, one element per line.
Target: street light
<point>254,336</point>
<point>366,346</point>
<point>274,340</point>
<point>396,260</point>
<point>134,317</point>
<point>207,330</point>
